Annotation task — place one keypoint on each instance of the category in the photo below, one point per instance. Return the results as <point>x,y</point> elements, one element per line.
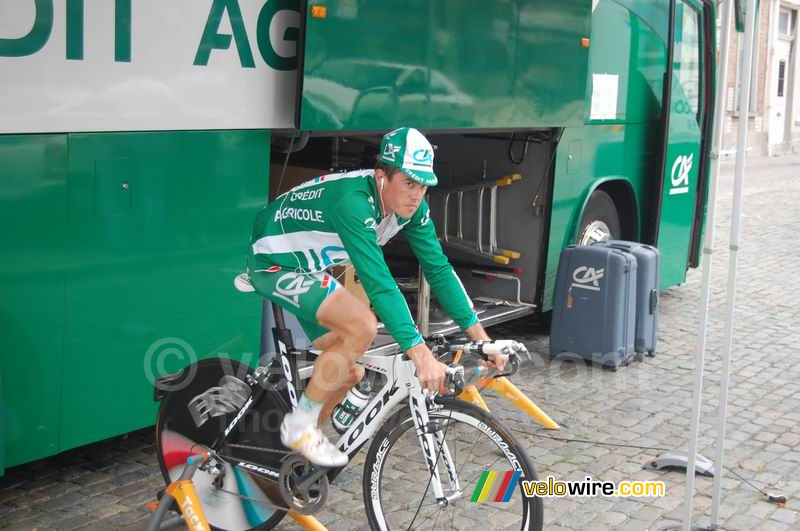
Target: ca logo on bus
<point>680,174</point>
<point>587,278</point>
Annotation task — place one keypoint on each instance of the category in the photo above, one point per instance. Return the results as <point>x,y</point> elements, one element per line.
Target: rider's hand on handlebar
<point>497,362</point>
<point>430,372</point>
<point>500,350</point>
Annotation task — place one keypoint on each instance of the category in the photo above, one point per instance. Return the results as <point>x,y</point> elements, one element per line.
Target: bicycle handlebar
<point>461,375</point>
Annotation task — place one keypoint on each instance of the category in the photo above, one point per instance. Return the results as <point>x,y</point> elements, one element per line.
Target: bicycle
<point>251,480</point>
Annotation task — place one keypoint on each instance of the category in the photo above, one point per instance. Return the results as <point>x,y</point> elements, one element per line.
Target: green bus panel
<point>444,64</point>
<point>605,153</point>
<point>158,226</point>
<point>626,45</point>
<point>625,149</point>
<point>33,188</point>
<point>117,257</point>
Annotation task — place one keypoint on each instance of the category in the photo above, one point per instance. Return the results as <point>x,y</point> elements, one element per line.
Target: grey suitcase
<point>647,278</point>
<point>594,314</point>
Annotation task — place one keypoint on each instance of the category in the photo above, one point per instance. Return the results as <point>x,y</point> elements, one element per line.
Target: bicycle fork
<point>433,444</point>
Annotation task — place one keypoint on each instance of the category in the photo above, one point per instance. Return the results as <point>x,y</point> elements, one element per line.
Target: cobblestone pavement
<point>106,485</point>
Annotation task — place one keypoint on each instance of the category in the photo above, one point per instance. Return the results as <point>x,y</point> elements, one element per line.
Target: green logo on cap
<point>423,156</point>
<point>390,150</point>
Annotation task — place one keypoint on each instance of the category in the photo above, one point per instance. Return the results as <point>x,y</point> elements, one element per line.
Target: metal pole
<point>741,151</point>
<point>708,239</point>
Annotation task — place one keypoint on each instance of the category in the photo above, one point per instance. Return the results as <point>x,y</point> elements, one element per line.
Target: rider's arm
<point>477,333</point>
<point>355,224</point>
<point>421,234</point>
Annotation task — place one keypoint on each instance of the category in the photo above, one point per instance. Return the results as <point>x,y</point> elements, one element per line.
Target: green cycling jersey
<point>335,219</point>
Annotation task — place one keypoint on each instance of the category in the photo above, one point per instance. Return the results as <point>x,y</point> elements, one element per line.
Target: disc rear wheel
<point>232,497</point>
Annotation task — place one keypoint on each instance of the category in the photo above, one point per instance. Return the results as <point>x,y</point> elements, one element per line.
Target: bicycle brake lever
<point>526,351</point>
<point>455,378</point>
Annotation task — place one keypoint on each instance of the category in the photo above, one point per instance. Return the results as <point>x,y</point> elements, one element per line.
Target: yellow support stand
<point>503,386</point>
<point>307,521</point>
<point>470,394</point>
<point>189,504</point>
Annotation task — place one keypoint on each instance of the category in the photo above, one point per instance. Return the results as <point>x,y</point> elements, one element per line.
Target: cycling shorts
<point>299,293</point>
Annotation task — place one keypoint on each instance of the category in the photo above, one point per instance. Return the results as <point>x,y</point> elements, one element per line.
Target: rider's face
<point>401,195</point>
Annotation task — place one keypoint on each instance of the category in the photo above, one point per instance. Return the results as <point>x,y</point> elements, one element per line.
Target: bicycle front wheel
<point>397,490</point>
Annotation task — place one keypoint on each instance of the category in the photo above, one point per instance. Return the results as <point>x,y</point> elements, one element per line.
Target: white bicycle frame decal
<point>402,385</point>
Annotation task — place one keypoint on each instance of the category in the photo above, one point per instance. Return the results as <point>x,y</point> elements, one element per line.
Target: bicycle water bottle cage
<point>348,410</point>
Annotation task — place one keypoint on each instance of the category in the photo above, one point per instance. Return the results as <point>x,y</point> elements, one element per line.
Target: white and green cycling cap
<point>410,151</point>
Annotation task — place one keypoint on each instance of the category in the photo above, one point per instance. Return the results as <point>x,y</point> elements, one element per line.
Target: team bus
<point>139,139</point>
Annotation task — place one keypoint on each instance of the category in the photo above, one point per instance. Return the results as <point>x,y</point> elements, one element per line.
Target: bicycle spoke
<point>467,459</point>
<point>488,467</point>
<point>407,502</point>
<point>437,518</point>
<point>408,507</point>
<point>438,514</point>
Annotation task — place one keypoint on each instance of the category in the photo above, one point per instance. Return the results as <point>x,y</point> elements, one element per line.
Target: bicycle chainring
<point>303,486</point>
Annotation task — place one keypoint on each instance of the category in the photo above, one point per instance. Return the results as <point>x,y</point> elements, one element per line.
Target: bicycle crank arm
<point>313,478</point>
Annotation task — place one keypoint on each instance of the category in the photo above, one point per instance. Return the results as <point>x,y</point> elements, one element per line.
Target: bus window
<point>686,63</point>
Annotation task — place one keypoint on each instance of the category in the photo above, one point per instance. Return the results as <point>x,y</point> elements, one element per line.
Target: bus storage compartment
<point>594,314</point>
<point>647,278</point>
<point>491,209</point>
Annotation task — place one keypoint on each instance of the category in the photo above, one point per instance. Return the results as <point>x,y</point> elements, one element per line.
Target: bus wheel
<point>600,220</point>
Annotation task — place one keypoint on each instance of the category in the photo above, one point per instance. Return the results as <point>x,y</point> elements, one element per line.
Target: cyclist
<point>346,217</point>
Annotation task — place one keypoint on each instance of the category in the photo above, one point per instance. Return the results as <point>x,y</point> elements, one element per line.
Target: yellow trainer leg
<point>507,389</point>
<point>307,521</point>
<point>470,394</point>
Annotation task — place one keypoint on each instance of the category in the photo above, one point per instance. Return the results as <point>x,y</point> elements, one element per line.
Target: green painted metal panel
<point>609,152</point>
<point>2,428</point>
<point>625,44</point>
<point>444,64</point>
<point>33,185</point>
<point>112,187</point>
<point>158,225</point>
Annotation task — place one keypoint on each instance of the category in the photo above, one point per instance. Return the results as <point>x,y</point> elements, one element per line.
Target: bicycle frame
<point>402,384</point>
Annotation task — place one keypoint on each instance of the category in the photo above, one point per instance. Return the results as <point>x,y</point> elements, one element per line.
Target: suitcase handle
<point>653,301</point>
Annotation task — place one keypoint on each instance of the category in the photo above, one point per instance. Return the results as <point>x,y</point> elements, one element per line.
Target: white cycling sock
<point>307,412</point>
